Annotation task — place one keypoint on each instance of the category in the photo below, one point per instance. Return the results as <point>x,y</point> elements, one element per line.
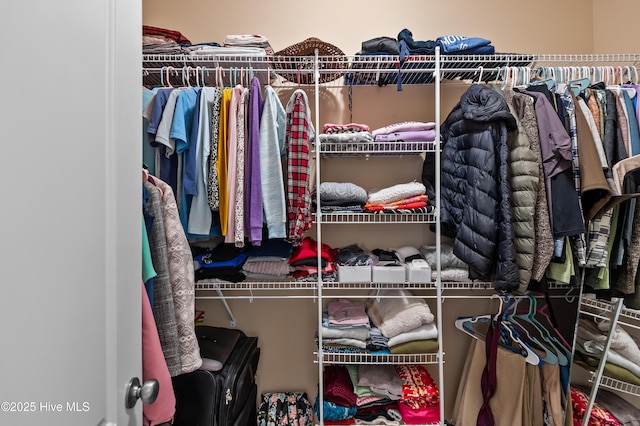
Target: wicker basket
<point>296,62</point>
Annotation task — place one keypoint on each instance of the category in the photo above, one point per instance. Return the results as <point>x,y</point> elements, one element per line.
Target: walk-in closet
<point>439,234</point>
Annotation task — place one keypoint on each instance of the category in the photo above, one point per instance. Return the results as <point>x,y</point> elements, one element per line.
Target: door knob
<point>148,392</point>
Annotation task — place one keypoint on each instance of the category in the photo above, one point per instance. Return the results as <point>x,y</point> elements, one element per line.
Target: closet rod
<point>489,296</point>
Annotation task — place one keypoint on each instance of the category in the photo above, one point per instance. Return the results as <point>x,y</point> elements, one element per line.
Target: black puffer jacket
<point>475,189</point>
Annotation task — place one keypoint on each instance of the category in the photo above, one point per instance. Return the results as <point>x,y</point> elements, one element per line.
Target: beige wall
<point>512,26</point>
<point>615,27</point>
<point>285,326</point>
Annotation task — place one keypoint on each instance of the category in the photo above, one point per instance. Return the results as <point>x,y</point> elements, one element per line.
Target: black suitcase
<point>227,397</point>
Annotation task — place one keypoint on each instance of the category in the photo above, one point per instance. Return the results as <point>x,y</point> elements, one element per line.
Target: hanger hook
<point>162,71</point>
<point>568,298</point>
<point>480,69</point>
<point>203,80</point>
<point>170,68</point>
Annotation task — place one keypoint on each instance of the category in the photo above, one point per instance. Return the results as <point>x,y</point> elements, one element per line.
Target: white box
<point>394,273</point>
<point>418,271</point>
<point>354,274</point>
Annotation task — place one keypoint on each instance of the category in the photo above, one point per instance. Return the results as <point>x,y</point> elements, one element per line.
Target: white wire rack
<point>377,218</point>
<point>357,70</point>
<point>628,317</point>
<point>617,385</point>
<point>371,71</point>
<point>310,287</point>
<point>367,358</point>
<point>378,149</point>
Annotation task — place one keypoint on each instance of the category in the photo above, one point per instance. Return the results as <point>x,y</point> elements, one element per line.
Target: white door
<point>70,222</point>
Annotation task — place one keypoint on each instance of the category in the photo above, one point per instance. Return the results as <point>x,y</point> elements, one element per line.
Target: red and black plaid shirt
<point>297,136</point>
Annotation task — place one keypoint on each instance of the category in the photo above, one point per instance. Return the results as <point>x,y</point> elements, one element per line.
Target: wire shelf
<point>378,149</point>
<point>604,306</point>
<point>617,385</point>
<point>377,286</point>
<point>205,285</point>
<point>379,359</point>
<point>376,218</point>
<point>355,70</point>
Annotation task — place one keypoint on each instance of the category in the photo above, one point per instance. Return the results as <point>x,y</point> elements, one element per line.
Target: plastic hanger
<point>162,70</point>
<point>507,76</point>
<point>186,76</point>
<point>203,78</point>
<point>557,338</point>
<point>168,79</point>
<point>220,74</point>
<point>578,86</point>
<point>196,74</point>
<point>508,333</point>
<point>549,356</point>
<point>479,70</point>
<point>547,77</point>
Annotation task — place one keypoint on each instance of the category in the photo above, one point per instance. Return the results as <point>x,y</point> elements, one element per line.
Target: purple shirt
<point>252,182</point>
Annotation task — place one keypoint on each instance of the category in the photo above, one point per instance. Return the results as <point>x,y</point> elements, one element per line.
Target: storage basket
<point>296,62</point>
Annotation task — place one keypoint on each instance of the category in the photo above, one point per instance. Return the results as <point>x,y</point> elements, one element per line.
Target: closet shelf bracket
<point>232,319</point>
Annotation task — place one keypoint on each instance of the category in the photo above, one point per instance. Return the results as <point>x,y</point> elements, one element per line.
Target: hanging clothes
<point>163,304</point>
<point>272,149</point>
<point>524,176</point>
<point>298,136</point>
<point>213,189</point>
<point>543,251</point>
<point>154,366</point>
<point>223,161</point>
<point>253,183</point>
<point>181,273</point>
<point>476,205</point>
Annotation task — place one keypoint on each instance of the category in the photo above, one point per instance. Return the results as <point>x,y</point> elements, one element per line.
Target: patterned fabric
<point>241,126</point>
<point>579,241</point>
<point>182,280</point>
<point>626,280</point>
<point>599,231</point>
<point>396,192</point>
<point>232,164</point>
<point>212,181</point>
<point>163,307</point>
<point>298,194</point>
<point>599,416</point>
<point>592,103</point>
<point>285,408</point>
<point>418,387</point>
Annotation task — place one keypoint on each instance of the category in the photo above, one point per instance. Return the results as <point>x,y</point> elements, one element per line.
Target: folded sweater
<point>397,311</point>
